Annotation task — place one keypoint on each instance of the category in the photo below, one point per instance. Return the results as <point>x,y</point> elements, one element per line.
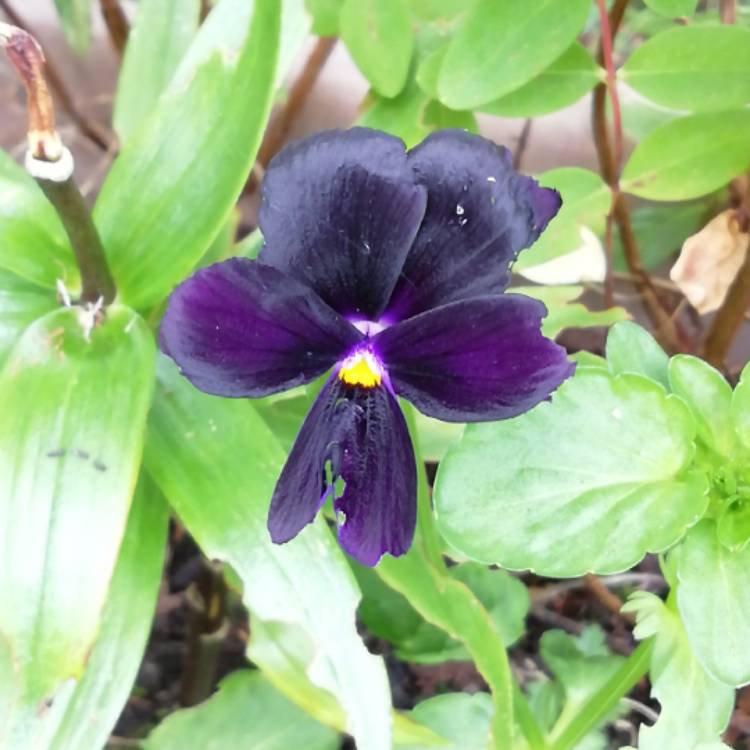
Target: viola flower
<point>388,268</point>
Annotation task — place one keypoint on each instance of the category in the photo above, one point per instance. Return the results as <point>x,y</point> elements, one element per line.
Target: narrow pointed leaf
<point>33,243</point>
<point>174,184</point>
<point>126,622</point>
<point>76,22</point>
<point>70,443</point>
<point>203,447</point>
<point>162,32</point>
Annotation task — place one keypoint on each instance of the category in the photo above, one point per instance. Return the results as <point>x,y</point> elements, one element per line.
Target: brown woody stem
<point>117,24</point>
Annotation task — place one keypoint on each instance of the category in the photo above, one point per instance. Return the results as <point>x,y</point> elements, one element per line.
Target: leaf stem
<point>596,709</point>
<point>67,200</point>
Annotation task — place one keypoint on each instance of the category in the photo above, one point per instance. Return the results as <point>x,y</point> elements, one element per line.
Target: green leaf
<point>582,666</point>
<point>502,44</point>
<point>183,170</point>
<point>714,601</point>
<point>437,10</point>
<point>563,312</point>
<point>564,82</point>
<point>201,446</point>
<point>124,629</point>
<point>660,231</point>
<point>631,348</point>
<point>733,525</point>
<point>70,447</point>
<point>586,201</point>
<point>672,8</point>
<point>325,15</point>
<point>689,157</point>
<point>162,32</point>
<point>245,712</point>
<point>379,37</point>
<point>428,70</point>
<point>695,707</point>
<point>741,407</point>
<point>389,614</point>
<point>709,396</point>
<point>435,437</point>
<point>21,303</point>
<point>697,68</point>
<point>33,243</point>
<point>608,455</point>
<point>464,720</point>
<point>76,21</point>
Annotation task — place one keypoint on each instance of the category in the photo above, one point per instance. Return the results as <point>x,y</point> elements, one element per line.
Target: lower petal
<point>475,360</point>
<point>360,436</point>
<point>378,508</point>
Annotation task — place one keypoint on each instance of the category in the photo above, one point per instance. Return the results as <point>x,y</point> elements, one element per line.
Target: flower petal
<point>359,435</point>
<point>379,502</point>
<point>474,360</point>
<point>240,328</point>
<point>339,212</point>
<point>480,214</point>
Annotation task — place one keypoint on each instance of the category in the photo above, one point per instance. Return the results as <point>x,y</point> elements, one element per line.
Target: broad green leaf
<point>551,489</point>
<point>435,436</point>
<point>733,524</point>
<point>245,712</point>
<point>126,622</point>
<point>563,312</point>
<point>697,68</point>
<point>202,447</point>
<point>503,44</point>
<point>672,8</point>
<point>21,303</point>
<point>76,22</point>
<point>581,665</point>
<point>714,600</point>
<point>689,157</point>
<point>33,243</point>
<point>660,231</point>
<point>389,614</point>
<point>631,348</point>
<point>695,707</point>
<point>428,70</point>
<point>564,82</point>
<point>325,16</point>
<point>75,403</point>
<point>741,407</point>
<point>586,201</point>
<point>175,182</point>
<point>641,116</point>
<point>162,32</point>
<point>709,396</point>
<point>464,720</point>
<point>379,37</point>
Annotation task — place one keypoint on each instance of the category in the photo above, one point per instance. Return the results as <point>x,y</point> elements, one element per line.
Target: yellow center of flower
<point>361,369</point>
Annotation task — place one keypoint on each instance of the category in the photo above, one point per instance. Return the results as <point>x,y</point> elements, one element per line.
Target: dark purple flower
<point>388,267</point>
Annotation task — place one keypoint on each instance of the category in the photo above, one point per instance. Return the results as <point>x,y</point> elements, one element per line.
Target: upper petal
<point>240,328</point>
<point>359,435</point>
<point>480,214</point>
<point>474,360</point>
<point>339,212</point>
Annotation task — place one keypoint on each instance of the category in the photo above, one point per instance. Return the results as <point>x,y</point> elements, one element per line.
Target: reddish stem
<point>609,66</point>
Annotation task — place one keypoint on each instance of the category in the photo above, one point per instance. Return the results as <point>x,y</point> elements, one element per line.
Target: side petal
<point>240,328</point>
<point>358,435</point>
<point>480,214</point>
<point>474,360</point>
<point>339,212</point>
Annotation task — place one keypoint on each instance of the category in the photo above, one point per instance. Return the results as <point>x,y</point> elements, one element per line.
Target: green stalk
<point>421,576</point>
<point>596,710</point>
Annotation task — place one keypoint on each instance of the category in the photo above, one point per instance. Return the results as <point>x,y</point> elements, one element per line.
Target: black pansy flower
<point>388,268</point>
